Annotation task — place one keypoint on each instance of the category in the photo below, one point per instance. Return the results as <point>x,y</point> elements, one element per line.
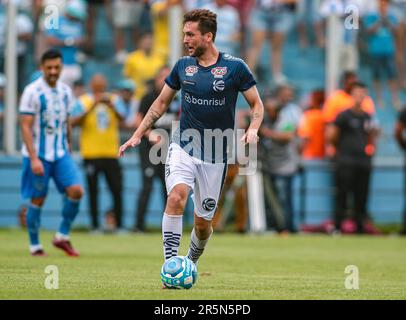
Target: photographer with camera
<point>99,114</point>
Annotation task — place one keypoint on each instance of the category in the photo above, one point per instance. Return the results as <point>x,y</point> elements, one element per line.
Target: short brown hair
<point>207,20</point>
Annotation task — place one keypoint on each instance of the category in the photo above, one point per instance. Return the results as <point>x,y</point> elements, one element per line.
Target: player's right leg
<point>180,176</point>
<point>172,219</point>
<point>35,188</point>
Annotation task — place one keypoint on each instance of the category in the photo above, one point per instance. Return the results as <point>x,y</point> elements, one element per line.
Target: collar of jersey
<point>211,66</point>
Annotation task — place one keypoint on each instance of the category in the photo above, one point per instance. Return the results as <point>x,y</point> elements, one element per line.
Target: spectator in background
<point>79,88</point>
<point>228,31</point>
<point>399,9</point>
<point>150,170</point>
<point>69,37</point>
<point>381,27</point>
<point>126,89</point>
<point>308,14</point>
<point>93,7</point>
<point>125,17</point>
<point>2,87</point>
<point>312,128</point>
<point>400,130</point>
<point>160,25</point>
<point>352,133</point>
<point>234,197</point>
<point>273,19</point>
<point>348,36</point>
<point>41,11</point>
<point>281,161</point>
<point>24,28</point>
<point>143,64</point>
<point>99,114</point>
<point>244,8</point>
<point>195,4</point>
<point>341,99</point>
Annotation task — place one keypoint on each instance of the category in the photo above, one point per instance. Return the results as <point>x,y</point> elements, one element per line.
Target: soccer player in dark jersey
<point>209,81</point>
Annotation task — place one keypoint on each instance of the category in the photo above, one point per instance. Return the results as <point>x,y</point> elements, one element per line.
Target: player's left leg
<point>200,236</point>
<point>66,177</point>
<point>209,184</point>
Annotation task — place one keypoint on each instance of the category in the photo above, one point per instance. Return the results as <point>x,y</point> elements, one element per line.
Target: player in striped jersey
<point>44,115</point>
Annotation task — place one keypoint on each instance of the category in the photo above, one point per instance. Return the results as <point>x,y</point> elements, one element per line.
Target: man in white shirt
<point>44,115</point>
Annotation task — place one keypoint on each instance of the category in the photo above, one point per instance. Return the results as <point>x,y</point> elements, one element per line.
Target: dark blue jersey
<point>208,99</point>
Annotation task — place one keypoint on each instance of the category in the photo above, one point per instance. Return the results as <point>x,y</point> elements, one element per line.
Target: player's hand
<point>154,138</point>
<point>37,167</point>
<point>132,142</point>
<point>251,136</point>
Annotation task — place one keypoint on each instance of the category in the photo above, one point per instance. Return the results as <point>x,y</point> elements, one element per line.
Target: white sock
<point>35,247</point>
<point>171,234</point>
<point>61,236</point>
<point>197,246</point>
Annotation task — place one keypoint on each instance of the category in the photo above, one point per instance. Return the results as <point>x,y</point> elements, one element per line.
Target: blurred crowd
<point>317,127</point>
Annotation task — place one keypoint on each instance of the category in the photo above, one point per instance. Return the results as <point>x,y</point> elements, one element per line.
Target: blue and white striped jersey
<point>50,108</point>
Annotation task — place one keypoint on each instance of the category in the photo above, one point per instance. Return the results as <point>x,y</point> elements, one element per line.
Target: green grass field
<point>233,267</point>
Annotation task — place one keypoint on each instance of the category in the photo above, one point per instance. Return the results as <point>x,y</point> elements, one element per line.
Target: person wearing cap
<point>69,38</point>
<point>126,89</point>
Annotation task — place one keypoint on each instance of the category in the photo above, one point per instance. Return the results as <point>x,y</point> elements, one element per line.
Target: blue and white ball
<point>179,272</point>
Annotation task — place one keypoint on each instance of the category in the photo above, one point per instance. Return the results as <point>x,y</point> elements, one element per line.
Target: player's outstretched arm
<point>257,115</point>
<point>157,109</point>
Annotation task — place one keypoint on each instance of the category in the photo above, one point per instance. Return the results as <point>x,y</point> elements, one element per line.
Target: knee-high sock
<point>171,234</point>
<point>69,213</point>
<point>33,223</point>
<point>197,246</point>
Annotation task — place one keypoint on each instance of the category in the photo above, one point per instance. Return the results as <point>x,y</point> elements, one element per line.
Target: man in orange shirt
<point>311,128</point>
<point>341,99</point>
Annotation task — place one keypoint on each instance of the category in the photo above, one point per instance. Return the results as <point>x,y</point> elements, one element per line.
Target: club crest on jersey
<point>191,70</point>
<point>219,72</point>
<point>218,85</point>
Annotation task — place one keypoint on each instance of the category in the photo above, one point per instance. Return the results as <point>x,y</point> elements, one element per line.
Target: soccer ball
<point>179,272</point>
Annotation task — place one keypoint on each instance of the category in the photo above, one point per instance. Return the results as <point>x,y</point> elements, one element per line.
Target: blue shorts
<point>308,11</point>
<point>383,67</point>
<point>280,21</point>
<point>64,172</point>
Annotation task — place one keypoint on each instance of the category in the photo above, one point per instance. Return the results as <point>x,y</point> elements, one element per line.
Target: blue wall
<point>386,197</point>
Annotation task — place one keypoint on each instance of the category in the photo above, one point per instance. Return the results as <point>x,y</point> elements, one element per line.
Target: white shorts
<point>205,179</point>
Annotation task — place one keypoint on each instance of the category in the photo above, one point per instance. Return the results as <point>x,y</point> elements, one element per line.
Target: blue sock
<point>33,223</point>
<point>69,212</point>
